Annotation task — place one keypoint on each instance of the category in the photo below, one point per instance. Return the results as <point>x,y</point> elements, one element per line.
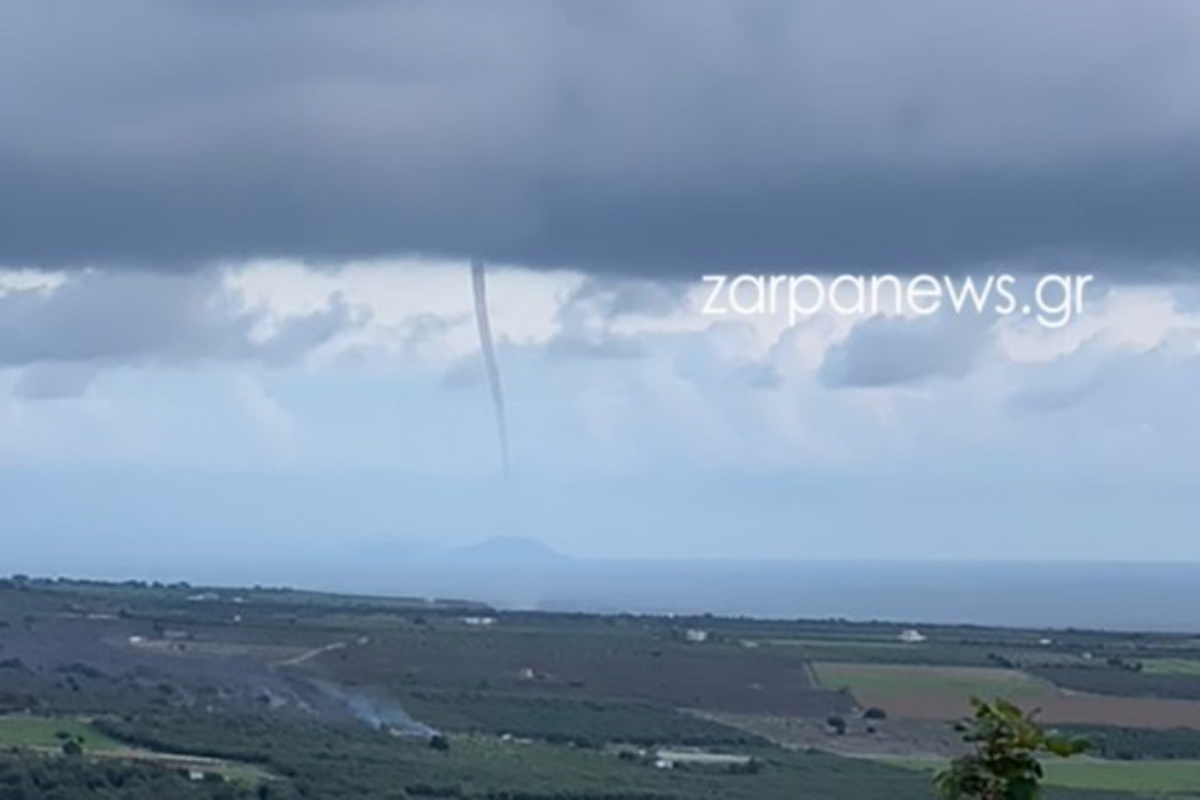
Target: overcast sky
<point>235,302</point>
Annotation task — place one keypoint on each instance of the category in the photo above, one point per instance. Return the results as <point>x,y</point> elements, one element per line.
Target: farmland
<point>1189,668</point>
<point>942,693</point>
<point>1148,777</point>
<point>282,690</point>
<point>866,680</point>
<point>1123,682</point>
<point>558,719</point>
<point>1055,709</point>
<point>637,664</point>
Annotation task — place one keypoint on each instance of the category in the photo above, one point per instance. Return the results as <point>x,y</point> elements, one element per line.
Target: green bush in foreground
<point>1003,763</point>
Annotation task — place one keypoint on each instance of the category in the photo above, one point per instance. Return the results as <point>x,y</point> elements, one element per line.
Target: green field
<point>876,650</point>
<point>1157,777</point>
<point>1171,666</point>
<point>913,679</point>
<point>834,643</point>
<point>1140,776</point>
<point>45,732</point>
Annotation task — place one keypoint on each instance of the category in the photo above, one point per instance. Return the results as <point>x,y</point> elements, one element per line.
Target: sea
<point>1087,595</point>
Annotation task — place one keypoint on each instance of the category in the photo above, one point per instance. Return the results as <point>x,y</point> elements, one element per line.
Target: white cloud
<point>374,350</point>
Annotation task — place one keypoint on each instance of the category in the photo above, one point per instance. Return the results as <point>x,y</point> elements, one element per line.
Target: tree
<point>1003,763</point>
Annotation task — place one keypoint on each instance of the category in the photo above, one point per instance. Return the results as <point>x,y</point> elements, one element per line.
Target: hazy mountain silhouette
<point>504,551</point>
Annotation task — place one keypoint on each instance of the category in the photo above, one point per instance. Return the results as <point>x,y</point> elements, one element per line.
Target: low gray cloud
<point>1068,381</point>
<point>891,351</point>
<point>1051,399</point>
<point>421,330</point>
<point>601,346</point>
<point>760,375</point>
<point>649,138</point>
<point>1115,381</point>
<point>466,373</point>
<point>53,381</point>
<point>587,314</point>
<point>100,317</point>
<point>629,297</point>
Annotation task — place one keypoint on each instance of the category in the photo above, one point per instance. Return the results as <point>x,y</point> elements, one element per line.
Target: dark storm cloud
<point>653,138</point>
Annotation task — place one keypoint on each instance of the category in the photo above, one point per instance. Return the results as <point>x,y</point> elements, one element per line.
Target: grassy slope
<point>26,731</point>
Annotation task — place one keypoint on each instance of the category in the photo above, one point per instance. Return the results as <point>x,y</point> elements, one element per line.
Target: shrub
<point>1003,763</point>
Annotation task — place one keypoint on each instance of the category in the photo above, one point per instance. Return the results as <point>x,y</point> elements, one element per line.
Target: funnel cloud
<point>479,287</point>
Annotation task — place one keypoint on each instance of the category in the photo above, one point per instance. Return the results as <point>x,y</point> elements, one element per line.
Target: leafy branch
<point>1003,763</point>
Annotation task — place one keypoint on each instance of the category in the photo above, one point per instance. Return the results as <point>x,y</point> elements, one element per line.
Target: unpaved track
<point>310,654</point>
